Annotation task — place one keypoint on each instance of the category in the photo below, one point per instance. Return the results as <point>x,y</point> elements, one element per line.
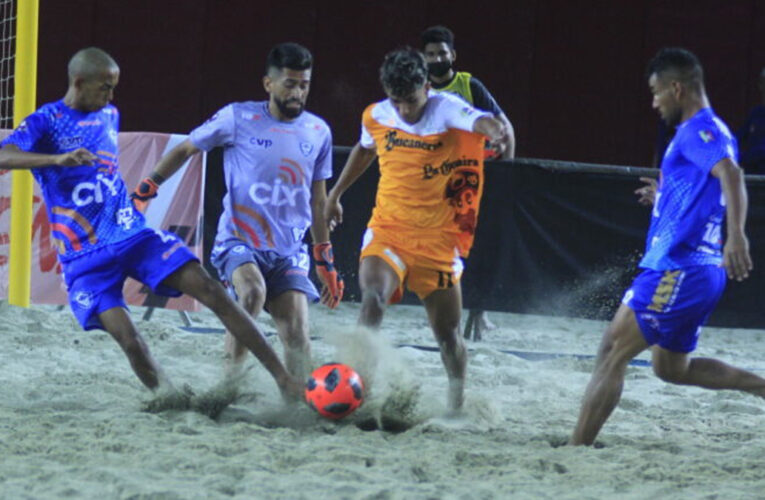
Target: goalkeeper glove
<point>333,285</point>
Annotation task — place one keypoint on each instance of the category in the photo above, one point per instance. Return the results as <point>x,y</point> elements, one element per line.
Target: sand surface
<point>72,425</point>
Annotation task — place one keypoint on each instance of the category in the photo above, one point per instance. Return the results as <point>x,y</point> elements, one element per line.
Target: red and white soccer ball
<point>334,390</point>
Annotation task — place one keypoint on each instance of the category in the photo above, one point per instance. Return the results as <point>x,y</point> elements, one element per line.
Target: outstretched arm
<point>12,158</point>
<point>165,168</point>
<point>497,132</point>
<point>174,160</point>
<point>736,258</point>
<point>358,162</point>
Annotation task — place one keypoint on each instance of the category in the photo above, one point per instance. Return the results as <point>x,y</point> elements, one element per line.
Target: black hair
<point>403,71</point>
<point>679,64</point>
<point>437,34</point>
<point>289,55</point>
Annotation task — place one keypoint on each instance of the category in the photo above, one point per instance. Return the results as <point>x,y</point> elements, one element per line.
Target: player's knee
<point>452,345</point>
<point>447,326</point>
<point>669,372</point>
<point>253,298</point>
<point>611,357</point>
<point>373,299</point>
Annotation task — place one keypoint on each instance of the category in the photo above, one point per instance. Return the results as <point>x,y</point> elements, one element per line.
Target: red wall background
<point>569,74</point>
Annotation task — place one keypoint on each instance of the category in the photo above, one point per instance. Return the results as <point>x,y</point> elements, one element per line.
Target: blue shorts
<point>671,306</point>
<point>280,273</point>
<point>96,279</point>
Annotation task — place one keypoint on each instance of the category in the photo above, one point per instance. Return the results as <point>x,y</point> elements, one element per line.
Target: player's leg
<point>289,311</point>
<point>697,292</point>
<point>680,368</point>
<point>162,262</point>
<point>250,288</point>
<point>117,322</point>
<point>622,341</point>
<point>444,307</point>
<point>377,280</point>
<point>477,322</point>
<point>95,283</point>
<point>193,280</point>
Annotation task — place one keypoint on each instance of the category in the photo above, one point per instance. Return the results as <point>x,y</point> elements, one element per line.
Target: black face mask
<point>439,69</point>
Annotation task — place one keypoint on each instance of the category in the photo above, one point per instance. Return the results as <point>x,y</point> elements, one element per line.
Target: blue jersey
<point>688,214</point>
<point>88,206</point>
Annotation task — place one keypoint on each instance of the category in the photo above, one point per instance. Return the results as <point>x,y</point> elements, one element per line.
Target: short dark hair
<point>403,71</point>
<point>679,64</point>
<point>437,34</point>
<point>289,55</point>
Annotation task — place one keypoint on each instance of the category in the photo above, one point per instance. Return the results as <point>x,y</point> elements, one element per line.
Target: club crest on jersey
<point>306,148</point>
<point>83,299</point>
<point>706,136</point>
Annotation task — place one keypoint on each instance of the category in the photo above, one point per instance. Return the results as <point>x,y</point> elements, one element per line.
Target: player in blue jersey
<point>71,148</point>
<point>700,188</point>
<point>276,159</point>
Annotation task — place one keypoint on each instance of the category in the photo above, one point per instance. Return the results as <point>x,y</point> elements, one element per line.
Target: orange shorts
<point>424,263</point>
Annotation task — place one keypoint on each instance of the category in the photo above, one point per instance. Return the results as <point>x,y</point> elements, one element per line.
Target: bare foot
<point>292,389</point>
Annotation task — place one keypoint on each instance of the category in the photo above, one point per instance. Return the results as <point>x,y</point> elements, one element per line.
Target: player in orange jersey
<point>426,144</point>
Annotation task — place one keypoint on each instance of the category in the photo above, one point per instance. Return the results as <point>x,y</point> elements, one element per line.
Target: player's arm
<point>483,100</point>
<point>13,158</point>
<point>168,165</point>
<point>736,258</point>
<point>507,143</point>
<point>491,127</point>
<point>358,162</point>
<point>319,229</point>
<point>323,256</point>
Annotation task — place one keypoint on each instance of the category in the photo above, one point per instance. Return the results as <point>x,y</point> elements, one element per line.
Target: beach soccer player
<point>426,144</point>
<point>70,146</point>
<point>276,160</point>
<point>700,190</point>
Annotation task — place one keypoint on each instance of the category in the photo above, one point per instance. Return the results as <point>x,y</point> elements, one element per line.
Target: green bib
<point>460,85</point>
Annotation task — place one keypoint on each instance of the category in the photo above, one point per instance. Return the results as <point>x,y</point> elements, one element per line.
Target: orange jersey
<point>418,162</point>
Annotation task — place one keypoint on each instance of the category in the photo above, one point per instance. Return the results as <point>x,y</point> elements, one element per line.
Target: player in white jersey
<point>277,158</point>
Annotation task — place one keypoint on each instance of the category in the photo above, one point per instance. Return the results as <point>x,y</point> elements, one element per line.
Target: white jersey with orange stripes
<point>416,162</point>
<point>269,168</point>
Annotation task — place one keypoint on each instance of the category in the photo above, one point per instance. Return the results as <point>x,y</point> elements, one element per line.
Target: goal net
<point>7,59</point>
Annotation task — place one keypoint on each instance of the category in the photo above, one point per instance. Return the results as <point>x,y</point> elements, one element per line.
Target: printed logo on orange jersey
<point>463,195</point>
<point>393,141</point>
<point>446,167</point>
